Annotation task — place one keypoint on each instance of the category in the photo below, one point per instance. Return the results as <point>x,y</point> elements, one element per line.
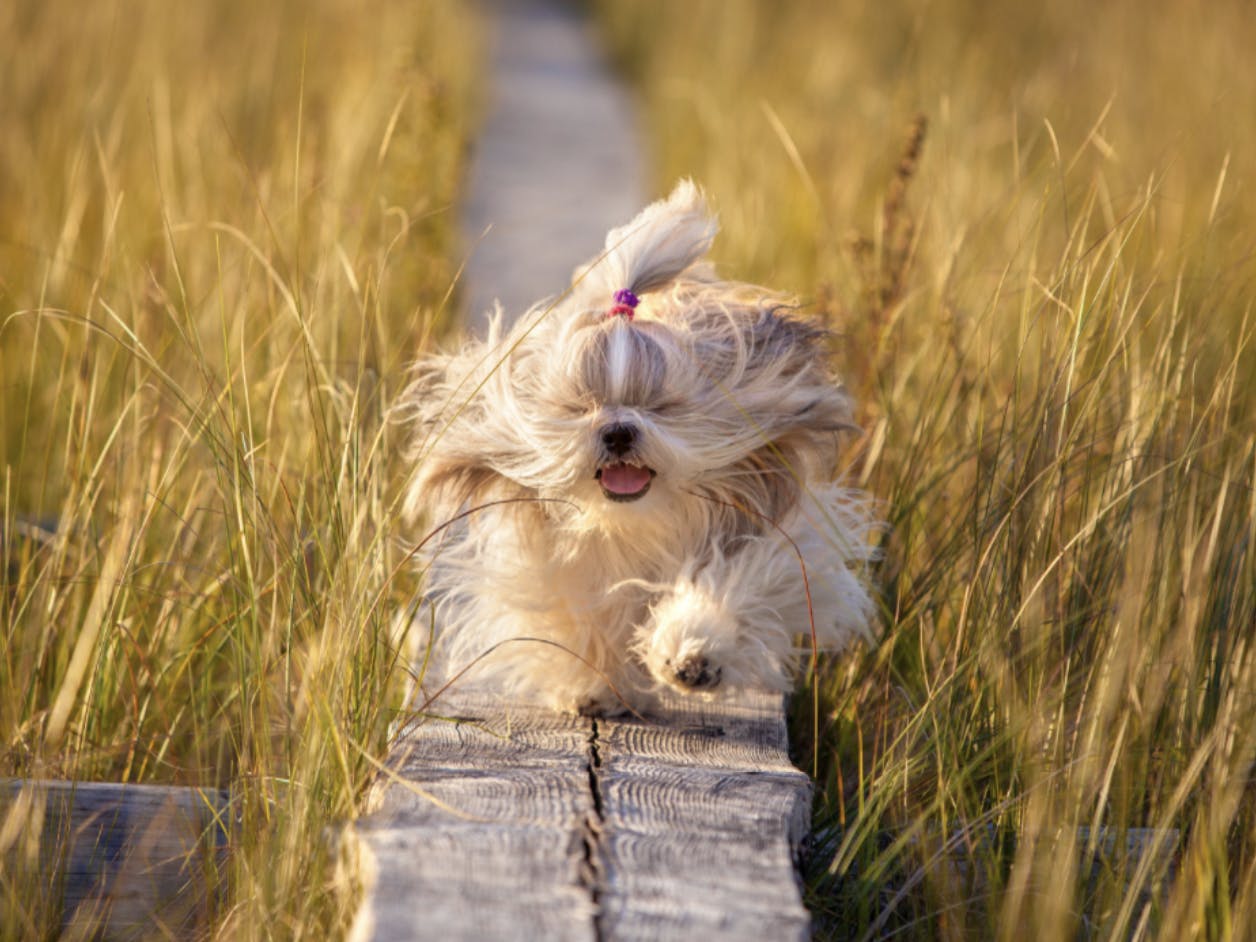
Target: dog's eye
<point>571,406</point>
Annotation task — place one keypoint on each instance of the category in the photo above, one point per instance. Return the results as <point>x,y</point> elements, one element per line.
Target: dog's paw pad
<point>697,673</point>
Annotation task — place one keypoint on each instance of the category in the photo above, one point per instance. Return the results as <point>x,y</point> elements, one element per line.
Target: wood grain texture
<point>703,817</point>
<point>116,860</point>
<point>480,836</point>
<point>524,823</point>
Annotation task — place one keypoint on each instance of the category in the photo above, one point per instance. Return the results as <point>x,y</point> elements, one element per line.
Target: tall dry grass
<point>224,228</point>
<point>1044,293</point>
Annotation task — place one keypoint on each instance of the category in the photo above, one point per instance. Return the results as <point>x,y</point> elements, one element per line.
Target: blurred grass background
<point>1033,228</point>
<point>224,229</point>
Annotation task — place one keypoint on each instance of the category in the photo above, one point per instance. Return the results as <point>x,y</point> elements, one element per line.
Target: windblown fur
<point>645,501</point>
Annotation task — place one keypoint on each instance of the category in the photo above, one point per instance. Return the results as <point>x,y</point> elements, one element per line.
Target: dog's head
<point>647,395</point>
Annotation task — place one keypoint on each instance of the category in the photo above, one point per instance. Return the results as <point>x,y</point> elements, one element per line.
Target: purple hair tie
<point>625,303</point>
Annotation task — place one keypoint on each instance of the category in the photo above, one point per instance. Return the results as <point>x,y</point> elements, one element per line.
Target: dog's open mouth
<point>623,482</point>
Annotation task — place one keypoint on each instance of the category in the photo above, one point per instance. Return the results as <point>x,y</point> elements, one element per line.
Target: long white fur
<point>550,590</point>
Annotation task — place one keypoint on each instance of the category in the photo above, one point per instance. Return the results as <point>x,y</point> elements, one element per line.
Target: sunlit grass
<point>226,228</point>
<point>1046,312</point>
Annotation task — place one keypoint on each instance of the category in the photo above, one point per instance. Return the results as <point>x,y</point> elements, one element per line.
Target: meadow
<point>1032,229</point>
<point>225,228</point>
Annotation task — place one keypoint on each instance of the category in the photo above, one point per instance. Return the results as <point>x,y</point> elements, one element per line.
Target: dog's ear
<point>790,353</point>
<point>772,370</point>
<point>451,444</point>
<point>444,481</point>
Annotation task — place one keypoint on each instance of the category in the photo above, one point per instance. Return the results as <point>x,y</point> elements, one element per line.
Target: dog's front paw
<point>688,640</point>
<point>696,672</point>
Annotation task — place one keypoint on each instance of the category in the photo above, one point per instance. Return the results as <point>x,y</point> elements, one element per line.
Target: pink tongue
<point>624,478</point>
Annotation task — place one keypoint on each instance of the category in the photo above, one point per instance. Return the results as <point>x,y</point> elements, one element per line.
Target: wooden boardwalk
<point>117,861</point>
<point>518,822</point>
<point>557,163</point>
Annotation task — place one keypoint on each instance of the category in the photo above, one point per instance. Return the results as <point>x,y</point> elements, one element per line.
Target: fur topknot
<point>664,241</point>
<point>626,505</point>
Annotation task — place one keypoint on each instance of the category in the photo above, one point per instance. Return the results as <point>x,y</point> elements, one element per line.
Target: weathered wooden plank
<point>481,833</point>
<point>116,860</point>
<point>703,815</point>
<point>524,823</point>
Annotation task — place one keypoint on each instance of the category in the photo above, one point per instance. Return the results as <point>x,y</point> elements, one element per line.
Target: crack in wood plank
<point>593,874</point>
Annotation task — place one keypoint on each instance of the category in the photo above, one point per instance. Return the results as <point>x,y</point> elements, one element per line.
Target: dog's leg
<point>728,623</point>
<point>616,692</point>
<point>545,656</point>
<point>743,620</point>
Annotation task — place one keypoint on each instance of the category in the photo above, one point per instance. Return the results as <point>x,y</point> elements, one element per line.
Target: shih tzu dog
<point>630,489</point>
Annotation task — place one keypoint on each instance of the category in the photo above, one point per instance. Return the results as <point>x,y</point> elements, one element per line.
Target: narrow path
<point>510,821</point>
<point>558,163</point>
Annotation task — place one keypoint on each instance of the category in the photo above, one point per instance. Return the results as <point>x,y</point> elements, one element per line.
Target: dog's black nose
<point>619,438</point>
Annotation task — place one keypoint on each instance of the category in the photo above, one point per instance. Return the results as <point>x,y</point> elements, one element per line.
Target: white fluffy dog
<point>630,488</point>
